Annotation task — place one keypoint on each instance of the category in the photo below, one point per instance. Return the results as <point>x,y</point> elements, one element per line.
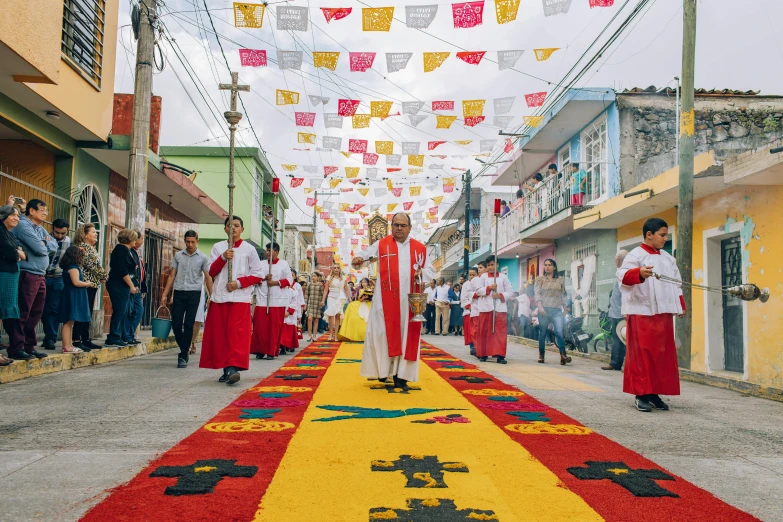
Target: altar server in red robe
<point>391,345</point>
<point>268,321</point>
<point>649,306</point>
<point>289,338</point>
<point>466,298</point>
<point>475,333</point>
<point>227,331</point>
<point>494,291</point>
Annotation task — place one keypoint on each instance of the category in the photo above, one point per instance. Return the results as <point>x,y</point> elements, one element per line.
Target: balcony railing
<point>547,199</point>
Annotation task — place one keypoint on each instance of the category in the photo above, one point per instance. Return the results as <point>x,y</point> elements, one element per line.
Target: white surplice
<point>376,362</point>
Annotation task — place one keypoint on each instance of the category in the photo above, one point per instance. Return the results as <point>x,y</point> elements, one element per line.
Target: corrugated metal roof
<point>652,89</point>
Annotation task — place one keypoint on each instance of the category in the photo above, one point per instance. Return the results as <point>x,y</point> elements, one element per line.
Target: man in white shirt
<point>442,307</point>
<point>494,290</point>
<point>429,312</point>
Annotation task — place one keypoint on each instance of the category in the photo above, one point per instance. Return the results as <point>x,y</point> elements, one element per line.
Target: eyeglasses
<point>399,225</point>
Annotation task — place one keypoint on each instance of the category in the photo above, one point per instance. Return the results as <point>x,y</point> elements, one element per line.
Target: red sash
<point>391,295</point>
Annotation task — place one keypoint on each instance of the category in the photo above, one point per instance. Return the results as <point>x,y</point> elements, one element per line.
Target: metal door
<point>733,334</point>
<point>153,259</point>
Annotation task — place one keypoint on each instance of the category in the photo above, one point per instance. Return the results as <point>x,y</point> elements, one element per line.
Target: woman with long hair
<point>354,326</point>
<point>337,294</point>
<point>74,305</point>
<point>87,238</point>
<point>550,299</point>
<point>10,255</point>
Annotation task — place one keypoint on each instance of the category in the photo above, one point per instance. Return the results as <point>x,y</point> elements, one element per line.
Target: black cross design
<point>640,482</point>
<point>470,379</point>
<point>421,471</point>
<point>430,510</point>
<point>296,377</point>
<point>202,476</point>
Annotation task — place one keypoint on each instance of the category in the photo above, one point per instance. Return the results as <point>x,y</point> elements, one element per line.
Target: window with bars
<point>581,252</point>
<point>594,159</point>
<point>82,39</point>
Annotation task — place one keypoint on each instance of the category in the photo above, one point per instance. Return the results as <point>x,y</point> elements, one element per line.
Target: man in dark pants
<point>190,270</point>
<point>615,314</point>
<point>54,285</point>
<point>429,311</point>
<point>38,245</point>
<point>136,302</point>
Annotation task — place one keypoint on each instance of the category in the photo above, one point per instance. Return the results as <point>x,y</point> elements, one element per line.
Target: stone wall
<point>726,125</point>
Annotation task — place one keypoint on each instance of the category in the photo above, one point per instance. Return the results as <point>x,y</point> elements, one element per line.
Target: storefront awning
<point>165,181</point>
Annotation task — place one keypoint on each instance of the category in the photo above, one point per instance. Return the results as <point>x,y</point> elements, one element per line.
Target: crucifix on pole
<point>232,117</point>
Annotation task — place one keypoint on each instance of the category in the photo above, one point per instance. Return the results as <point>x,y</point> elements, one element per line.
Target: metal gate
<point>153,265</point>
<point>733,334</point>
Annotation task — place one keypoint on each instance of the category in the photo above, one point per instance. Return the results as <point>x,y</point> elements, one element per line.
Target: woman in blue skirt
<point>74,304</point>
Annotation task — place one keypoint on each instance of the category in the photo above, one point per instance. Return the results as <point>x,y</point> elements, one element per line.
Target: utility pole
<point>685,207</point>
<point>136,213</point>
<point>232,117</point>
<point>466,254</point>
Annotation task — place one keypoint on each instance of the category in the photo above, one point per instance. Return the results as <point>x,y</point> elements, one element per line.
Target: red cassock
<point>226,340</point>
<point>289,337</point>
<point>474,332</point>
<point>651,356</point>
<point>492,344</point>
<point>267,330</point>
<point>466,329</point>
<point>651,365</point>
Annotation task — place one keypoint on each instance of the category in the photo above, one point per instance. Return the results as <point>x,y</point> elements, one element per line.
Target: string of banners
<point>364,61</point>
<point>464,15</point>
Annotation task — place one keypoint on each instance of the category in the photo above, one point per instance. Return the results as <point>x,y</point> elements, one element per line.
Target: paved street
<point>67,438</point>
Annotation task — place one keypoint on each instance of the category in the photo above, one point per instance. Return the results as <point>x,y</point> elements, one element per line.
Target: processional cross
<point>232,117</point>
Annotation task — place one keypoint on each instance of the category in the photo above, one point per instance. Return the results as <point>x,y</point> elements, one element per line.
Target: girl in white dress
<point>336,296</point>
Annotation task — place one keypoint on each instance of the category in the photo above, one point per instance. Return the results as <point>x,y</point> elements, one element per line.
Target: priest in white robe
<point>391,346</point>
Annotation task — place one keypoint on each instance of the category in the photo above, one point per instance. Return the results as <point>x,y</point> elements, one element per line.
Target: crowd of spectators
<point>48,279</point>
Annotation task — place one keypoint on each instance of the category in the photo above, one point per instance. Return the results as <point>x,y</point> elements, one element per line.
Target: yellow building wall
<point>77,97</point>
<point>33,31</point>
<point>758,209</point>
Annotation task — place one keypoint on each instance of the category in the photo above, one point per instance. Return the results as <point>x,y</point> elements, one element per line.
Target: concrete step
<point>58,361</point>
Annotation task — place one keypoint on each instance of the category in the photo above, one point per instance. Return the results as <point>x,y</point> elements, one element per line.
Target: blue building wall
<point>513,271</point>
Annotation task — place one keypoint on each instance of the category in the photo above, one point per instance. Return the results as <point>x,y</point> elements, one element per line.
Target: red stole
<point>391,295</point>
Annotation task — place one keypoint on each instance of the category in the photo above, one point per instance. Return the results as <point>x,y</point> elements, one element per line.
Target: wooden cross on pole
<point>232,117</point>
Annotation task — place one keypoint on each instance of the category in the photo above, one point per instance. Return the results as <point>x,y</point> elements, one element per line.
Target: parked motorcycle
<point>575,336</point>
<point>605,337</point>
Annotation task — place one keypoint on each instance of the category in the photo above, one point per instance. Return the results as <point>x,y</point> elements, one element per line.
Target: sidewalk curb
<point>58,362</point>
<point>717,381</point>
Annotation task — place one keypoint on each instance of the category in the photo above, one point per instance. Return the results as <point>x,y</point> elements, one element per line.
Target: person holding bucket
<point>190,271</point>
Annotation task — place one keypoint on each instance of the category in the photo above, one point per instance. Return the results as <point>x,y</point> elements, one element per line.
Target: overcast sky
<point>738,46</point>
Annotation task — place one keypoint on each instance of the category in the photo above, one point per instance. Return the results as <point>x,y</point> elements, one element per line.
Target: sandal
<point>72,350</point>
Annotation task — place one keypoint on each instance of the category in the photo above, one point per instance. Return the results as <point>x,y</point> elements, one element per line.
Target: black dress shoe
<point>224,377</point>
<point>115,343</point>
<point>21,356</point>
<point>38,355</point>
<point>502,360</point>
<point>260,356</point>
<point>48,345</point>
<point>182,363</point>
<point>232,376</point>
<point>483,359</point>
<point>91,345</point>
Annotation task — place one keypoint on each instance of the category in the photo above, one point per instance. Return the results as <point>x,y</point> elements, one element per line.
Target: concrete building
<point>626,144</point>
<point>262,213</point>
<point>299,247</point>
